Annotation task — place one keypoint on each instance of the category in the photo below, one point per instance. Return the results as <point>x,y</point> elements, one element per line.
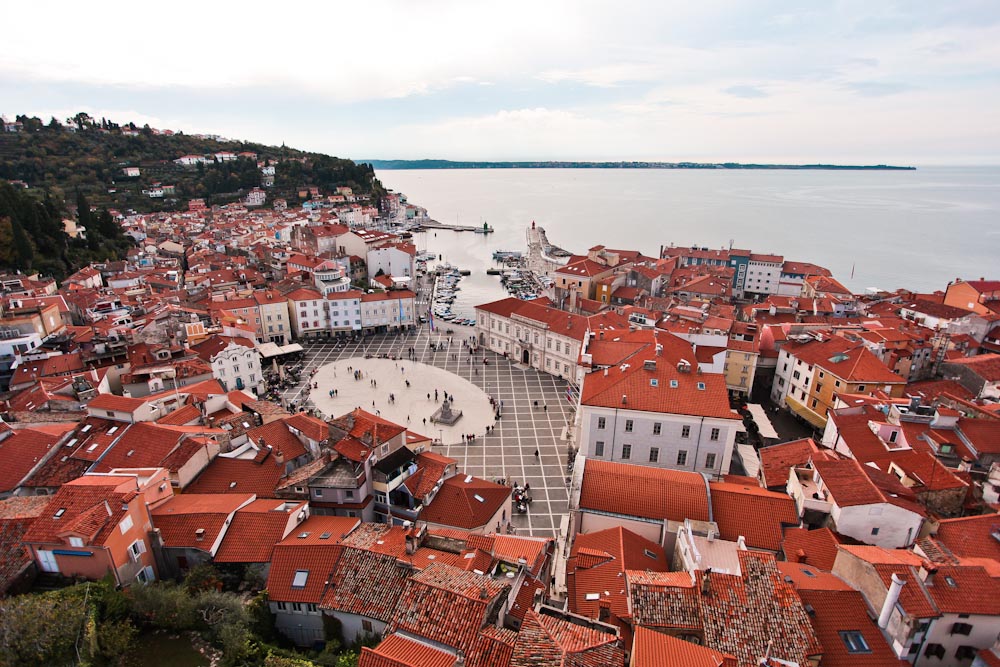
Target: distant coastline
<point>451,164</point>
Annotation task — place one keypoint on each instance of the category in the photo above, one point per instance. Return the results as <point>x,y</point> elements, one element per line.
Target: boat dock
<point>434,224</point>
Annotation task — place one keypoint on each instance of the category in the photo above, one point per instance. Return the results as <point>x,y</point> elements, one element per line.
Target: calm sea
<point>915,229</point>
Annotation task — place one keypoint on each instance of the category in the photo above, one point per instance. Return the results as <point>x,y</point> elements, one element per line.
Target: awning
<point>814,418</point>
<point>751,462</point>
<point>268,350</point>
<point>764,426</point>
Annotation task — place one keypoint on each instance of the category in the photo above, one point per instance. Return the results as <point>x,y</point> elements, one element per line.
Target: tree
<point>39,630</point>
<point>24,252</point>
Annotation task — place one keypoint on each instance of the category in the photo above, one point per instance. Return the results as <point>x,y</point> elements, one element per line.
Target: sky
<point>850,82</point>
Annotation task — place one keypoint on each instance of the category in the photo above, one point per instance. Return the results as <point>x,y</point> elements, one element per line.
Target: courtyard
<point>527,444</point>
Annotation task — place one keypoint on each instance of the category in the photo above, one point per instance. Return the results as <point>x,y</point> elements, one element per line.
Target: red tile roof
<point>813,547</point>
<point>851,362</point>
<point>465,502</point>
<point>597,566</point>
<point>366,583</point>
<point>91,511</point>
<point>447,605</point>
<point>777,460</point>
<point>655,649</point>
<point>848,483</point>
<point>259,476</point>
<point>652,493</point>
<point>398,651</point>
<point>20,452</point>
<point>547,640</point>
<point>311,563</point>
<point>254,531</point>
<point>755,513</point>
<point>277,436</point>
<point>16,516</point>
<point>703,395</point>
<point>741,615</point>
<point>115,403</point>
<point>836,611</point>
<point>179,518</point>
<point>971,536</point>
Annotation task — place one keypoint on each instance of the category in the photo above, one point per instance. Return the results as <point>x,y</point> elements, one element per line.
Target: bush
<point>163,606</point>
<point>40,630</point>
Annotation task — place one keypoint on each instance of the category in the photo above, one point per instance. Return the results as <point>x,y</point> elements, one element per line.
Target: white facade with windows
<point>678,442</point>
<point>274,324</point>
<point>792,376</point>
<point>309,313</point>
<point>762,276</point>
<point>530,342</point>
<point>237,367</point>
<point>344,311</point>
<point>388,310</point>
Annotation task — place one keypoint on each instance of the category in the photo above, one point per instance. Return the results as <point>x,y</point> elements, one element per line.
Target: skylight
<point>112,430</point>
<point>593,596</point>
<point>300,578</point>
<point>59,513</point>
<point>673,384</point>
<point>303,536</point>
<point>479,498</point>
<point>324,536</point>
<point>701,386</point>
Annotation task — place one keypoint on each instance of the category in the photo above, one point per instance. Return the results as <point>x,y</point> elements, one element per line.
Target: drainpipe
<point>614,434</point>
<point>697,446</point>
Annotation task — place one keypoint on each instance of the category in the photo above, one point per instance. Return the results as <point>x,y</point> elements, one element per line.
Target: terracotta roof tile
<point>546,640</point>
<point>180,518</point>
<point>447,605</point>
<point>254,531</point>
<point>813,547</point>
<point>259,476</point>
<point>458,502</point>
<point>399,651</point>
<point>652,493</point>
<point>366,583</point>
<point>755,513</point>
<point>21,451</point>
<point>655,649</point>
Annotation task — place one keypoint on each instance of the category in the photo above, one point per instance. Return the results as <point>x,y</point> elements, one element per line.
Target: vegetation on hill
<point>96,624</point>
<point>32,236</point>
<point>90,156</point>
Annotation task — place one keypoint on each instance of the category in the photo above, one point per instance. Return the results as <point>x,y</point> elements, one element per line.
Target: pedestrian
<point>536,453</point>
<point>463,437</point>
<point>545,407</point>
<point>425,421</point>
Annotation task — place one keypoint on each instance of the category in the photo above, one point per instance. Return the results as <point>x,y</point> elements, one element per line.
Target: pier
<point>540,259</point>
<point>434,224</point>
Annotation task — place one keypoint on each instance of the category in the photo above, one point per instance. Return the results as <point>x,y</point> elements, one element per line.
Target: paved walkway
<point>404,392</point>
<point>509,452</point>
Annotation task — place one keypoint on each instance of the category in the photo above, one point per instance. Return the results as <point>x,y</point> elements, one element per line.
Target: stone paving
<point>528,443</point>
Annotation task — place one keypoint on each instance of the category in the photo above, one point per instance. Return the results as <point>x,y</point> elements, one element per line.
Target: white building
<point>308,311</point>
<point>540,336</point>
<point>256,197</point>
<point>650,411</point>
<point>394,259</point>
<point>763,274</point>
<point>237,367</point>
<point>330,277</point>
<point>274,325</point>
<point>858,508</point>
<point>344,311</point>
<point>388,311</point>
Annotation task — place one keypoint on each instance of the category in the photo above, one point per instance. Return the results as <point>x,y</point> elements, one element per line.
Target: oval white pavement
<point>390,377</point>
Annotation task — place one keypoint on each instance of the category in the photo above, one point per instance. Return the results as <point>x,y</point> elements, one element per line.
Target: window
<point>126,524</point>
<point>685,431</point>
<point>311,608</point>
<point>874,531</point>
<point>854,642</point>
<point>349,493</point>
<point>318,492</point>
<point>654,454</point>
<point>961,629</point>
<point>709,460</point>
<point>628,425</point>
<point>602,422</point>
<point>136,549</point>
<point>814,402</point>
<point>966,652</point>
<point>682,457</point>
<point>300,578</point>
<point>78,542</point>
<point>934,650</point>
<point>599,448</point>
<point>796,375</point>
<point>366,625</point>
<point>715,434</point>
<point>861,387</point>
<point>296,606</point>
<point>626,452</point>
<point>657,427</point>
<point>282,606</point>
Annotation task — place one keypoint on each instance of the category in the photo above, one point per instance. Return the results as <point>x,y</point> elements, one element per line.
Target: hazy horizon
<point>847,82</point>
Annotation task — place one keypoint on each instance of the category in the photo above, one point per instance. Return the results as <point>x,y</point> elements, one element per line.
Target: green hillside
<point>89,156</point>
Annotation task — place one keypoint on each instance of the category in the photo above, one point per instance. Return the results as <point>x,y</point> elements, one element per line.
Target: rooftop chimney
<point>705,581</point>
<point>891,598</point>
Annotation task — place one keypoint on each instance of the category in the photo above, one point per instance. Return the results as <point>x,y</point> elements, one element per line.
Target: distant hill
<point>90,156</point>
<point>450,164</point>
